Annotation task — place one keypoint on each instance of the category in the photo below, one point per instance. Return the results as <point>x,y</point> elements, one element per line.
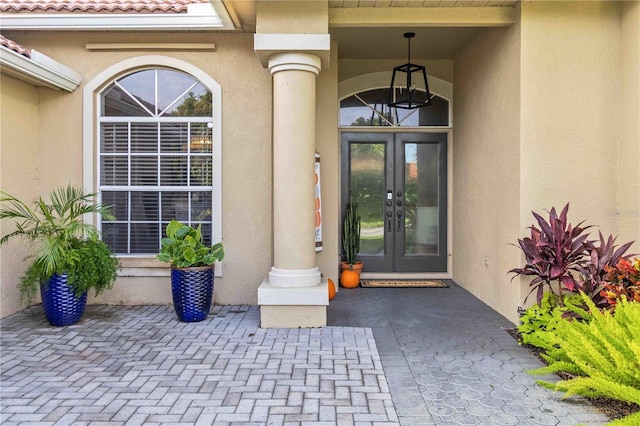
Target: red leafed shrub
<point>558,253</point>
<point>622,281</point>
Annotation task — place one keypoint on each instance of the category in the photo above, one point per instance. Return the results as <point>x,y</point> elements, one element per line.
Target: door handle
<point>389,215</point>
<point>399,220</point>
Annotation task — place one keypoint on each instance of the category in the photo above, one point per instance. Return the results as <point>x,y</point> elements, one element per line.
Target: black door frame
<point>396,261</point>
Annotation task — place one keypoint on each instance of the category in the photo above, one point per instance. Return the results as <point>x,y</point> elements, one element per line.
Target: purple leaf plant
<point>560,253</point>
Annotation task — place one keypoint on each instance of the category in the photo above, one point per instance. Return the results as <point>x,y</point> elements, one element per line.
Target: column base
<point>293,307</point>
<point>293,278</point>
<point>293,316</point>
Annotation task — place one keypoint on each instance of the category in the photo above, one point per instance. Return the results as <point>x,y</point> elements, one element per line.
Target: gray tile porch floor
<point>389,356</point>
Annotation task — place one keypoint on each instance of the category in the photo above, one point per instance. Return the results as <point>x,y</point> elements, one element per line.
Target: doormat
<point>403,283</point>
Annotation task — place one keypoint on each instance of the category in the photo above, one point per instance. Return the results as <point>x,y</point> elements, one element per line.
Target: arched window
<point>368,108</point>
<point>156,157</point>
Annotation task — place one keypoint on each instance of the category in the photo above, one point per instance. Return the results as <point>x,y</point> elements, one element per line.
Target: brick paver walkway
<point>440,357</point>
<point>139,365</point>
<point>448,360</point>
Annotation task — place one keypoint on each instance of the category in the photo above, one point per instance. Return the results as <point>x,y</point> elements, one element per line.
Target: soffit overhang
<point>373,29</point>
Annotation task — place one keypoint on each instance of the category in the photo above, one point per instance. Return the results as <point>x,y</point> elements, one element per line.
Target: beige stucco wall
<point>628,167</point>
<point>349,68</point>
<point>328,146</point>
<point>580,145</point>
<point>246,147</point>
<point>570,110</point>
<point>292,17</point>
<point>18,176</point>
<point>486,157</point>
<point>546,112</point>
<point>246,162</point>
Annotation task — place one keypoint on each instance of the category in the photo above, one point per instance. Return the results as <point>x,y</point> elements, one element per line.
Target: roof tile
<point>97,6</point>
<point>12,45</point>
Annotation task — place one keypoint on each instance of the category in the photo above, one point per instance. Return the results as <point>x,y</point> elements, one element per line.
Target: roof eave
<point>200,16</point>
<point>39,70</point>
<point>120,22</point>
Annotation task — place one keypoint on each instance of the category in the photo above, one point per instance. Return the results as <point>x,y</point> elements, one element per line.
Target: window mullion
<point>158,174</point>
<point>159,219</point>
<point>129,154</point>
<point>188,154</point>
<point>158,154</point>
<point>129,222</point>
<point>179,97</point>
<point>155,101</point>
<point>129,136</point>
<point>135,99</point>
<point>189,172</point>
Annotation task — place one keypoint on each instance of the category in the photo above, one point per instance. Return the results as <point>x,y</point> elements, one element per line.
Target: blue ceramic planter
<point>59,302</point>
<point>192,291</point>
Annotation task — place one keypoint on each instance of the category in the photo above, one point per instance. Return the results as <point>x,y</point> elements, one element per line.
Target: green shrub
<point>60,242</point>
<point>603,354</point>
<point>183,247</point>
<point>539,319</point>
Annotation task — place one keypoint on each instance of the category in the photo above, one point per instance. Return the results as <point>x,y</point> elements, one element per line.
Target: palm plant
<point>60,242</point>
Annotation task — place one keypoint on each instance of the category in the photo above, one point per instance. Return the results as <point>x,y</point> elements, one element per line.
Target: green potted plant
<point>192,265</point>
<point>68,258</point>
<point>351,268</point>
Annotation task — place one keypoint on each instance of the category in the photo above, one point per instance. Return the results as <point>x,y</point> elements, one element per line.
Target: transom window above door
<point>368,108</point>
<point>155,157</point>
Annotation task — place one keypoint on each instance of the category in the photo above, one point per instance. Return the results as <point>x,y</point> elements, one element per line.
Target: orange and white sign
<point>318,206</point>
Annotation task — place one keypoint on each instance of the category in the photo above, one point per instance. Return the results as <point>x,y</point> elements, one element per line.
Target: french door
<point>399,181</point>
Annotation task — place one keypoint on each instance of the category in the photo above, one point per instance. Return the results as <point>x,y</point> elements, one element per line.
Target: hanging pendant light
<point>403,90</point>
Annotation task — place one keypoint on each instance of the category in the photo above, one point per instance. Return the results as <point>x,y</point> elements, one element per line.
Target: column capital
<point>269,45</point>
<point>294,62</point>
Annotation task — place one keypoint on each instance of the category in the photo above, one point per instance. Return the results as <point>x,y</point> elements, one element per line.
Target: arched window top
<point>368,108</point>
<point>363,103</point>
<point>156,93</point>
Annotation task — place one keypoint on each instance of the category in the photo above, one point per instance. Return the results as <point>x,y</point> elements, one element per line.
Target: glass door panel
<point>367,186</point>
<point>399,182</point>
<point>421,175</point>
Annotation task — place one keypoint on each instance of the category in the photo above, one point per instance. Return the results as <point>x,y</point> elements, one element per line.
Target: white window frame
<point>91,128</point>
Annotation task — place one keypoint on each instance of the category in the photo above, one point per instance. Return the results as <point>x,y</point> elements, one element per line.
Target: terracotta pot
<point>356,266</point>
<point>357,269</point>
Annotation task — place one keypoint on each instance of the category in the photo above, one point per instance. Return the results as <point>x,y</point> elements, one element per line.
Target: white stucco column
<point>294,106</point>
<point>294,293</point>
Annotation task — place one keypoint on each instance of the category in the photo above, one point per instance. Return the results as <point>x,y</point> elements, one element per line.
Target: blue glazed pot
<point>192,291</point>
<point>59,302</point>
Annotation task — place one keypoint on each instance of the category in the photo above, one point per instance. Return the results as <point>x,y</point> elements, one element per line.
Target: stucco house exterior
<point>213,112</point>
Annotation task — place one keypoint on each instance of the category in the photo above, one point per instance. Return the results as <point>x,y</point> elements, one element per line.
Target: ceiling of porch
<point>373,29</point>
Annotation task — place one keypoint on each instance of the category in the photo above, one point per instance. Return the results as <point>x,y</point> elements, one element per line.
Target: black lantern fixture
<point>403,92</point>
